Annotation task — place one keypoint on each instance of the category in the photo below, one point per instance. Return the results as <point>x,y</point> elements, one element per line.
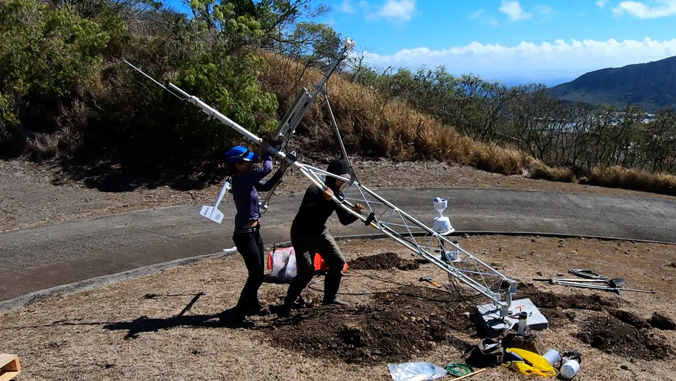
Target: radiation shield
<point>442,225</point>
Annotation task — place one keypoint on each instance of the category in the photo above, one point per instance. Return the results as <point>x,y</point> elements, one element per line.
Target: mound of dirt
<point>395,326</point>
<point>383,261</point>
<point>616,337</point>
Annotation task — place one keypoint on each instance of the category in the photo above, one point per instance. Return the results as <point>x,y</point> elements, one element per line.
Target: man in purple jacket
<point>246,182</point>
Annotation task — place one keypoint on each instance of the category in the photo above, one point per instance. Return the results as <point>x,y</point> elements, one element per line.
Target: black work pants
<point>250,246</point>
<point>305,247</point>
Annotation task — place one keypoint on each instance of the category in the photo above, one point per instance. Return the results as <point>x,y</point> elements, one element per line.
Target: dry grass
<point>46,145</point>
<point>131,330</point>
<point>619,177</point>
<point>374,125</point>
<point>545,172</point>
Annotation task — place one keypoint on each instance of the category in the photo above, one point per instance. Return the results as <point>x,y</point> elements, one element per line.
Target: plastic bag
<point>282,264</point>
<point>416,371</point>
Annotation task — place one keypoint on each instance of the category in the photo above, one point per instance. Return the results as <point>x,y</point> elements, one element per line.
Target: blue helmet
<point>238,153</point>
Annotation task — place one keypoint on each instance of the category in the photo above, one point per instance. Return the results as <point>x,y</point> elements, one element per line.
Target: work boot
<point>235,319</point>
<point>302,303</point>
<point>282,311</point>
<point>335,301</point>
<point>331,285</point>
<point>258,310</point>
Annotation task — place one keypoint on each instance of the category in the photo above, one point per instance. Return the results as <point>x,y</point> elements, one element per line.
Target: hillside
<point>650,85</point>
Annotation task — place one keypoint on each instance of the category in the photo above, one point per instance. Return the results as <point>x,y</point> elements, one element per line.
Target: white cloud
<point>396,11</point>
<point>484,18</point>
<point>601,3</point>
<point>547,62</point>
<point>476,14</point>
<point>545,10</point>
<point>662,8</point>
<point>346,7</point>
<point>514,10</point>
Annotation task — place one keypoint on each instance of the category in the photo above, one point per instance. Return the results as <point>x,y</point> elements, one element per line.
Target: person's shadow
<point>145,324</point>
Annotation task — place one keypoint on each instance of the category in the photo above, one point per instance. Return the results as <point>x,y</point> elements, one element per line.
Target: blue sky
<point>513,42</point>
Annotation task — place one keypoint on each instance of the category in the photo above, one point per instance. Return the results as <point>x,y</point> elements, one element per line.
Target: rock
<point>624,367</point>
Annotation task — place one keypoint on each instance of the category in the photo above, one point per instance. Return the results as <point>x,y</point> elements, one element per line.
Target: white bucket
<point>552,356</point>
<point>570,369</point>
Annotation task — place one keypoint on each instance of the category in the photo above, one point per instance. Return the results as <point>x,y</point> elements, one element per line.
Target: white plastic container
<point>570,369</point>
<point>552,356</point>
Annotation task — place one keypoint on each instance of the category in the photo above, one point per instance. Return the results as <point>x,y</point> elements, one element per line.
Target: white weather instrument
<point>442,225</point>
<point>429,243</point>
<point>212,212</point>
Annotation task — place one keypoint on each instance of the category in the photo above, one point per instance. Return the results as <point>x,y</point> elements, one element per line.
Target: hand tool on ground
<point>601,287</point>
<point>615,282</point>
<point>429,279</point>
<point>586,273</point>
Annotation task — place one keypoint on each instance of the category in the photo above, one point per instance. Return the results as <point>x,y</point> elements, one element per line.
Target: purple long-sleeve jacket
<point>245,189</point>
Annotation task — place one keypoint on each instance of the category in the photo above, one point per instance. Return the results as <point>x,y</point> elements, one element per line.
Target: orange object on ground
<point>321,267</point>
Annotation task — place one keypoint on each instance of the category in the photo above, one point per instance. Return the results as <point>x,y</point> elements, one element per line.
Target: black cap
<point>337,167</point>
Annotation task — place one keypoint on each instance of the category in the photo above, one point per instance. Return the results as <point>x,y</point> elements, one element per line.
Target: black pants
<point>306,246</point>
<point>250,245</point>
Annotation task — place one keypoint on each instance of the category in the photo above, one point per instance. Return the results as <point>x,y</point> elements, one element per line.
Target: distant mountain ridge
<point>651,85</point>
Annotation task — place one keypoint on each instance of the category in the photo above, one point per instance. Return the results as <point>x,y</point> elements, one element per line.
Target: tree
<point>660,142</point>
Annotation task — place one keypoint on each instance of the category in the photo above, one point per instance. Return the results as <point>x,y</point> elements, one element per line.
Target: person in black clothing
<point>309,235</point>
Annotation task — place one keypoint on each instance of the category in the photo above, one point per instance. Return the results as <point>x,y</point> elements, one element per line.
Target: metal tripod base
<point>490,314</point>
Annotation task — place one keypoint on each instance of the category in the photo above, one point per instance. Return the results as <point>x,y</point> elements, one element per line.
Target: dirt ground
<point>32,194</point>
<point>165,326</point>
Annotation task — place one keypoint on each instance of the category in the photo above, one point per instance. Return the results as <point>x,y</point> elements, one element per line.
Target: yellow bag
<point>533,363</point>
